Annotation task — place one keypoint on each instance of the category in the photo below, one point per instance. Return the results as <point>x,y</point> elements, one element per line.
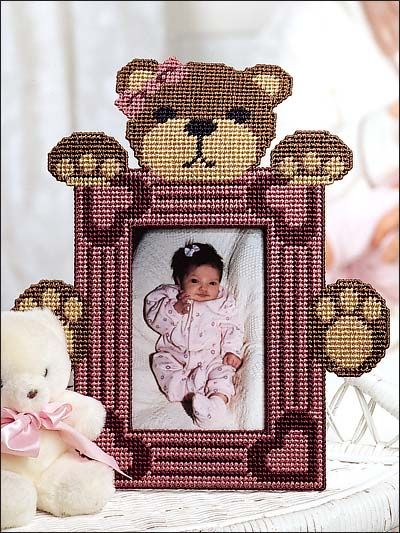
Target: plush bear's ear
<point>273,80</point>
<point>135,74</point>
<point>40,315</point>
<point>35,321</point>
<point>48,320</point>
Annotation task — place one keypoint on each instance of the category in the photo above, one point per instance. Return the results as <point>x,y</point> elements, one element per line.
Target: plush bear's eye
<point>162,114</point>
<point>46,372</point>
<point>239,115</point>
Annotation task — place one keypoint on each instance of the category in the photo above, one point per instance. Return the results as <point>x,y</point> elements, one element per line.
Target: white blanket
<point>242,252</point>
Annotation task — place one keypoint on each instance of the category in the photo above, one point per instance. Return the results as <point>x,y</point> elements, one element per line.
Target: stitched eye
<point>46,372</point>
<point>239,114</point>
<point>162,114</point>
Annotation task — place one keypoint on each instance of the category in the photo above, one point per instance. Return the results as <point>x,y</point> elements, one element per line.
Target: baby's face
<point>201,283</point>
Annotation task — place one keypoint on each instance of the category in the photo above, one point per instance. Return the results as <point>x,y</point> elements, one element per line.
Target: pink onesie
<point>189,352</point>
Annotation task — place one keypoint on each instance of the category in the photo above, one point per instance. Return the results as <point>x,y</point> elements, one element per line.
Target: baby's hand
<point>182,306</point>
<point>232,360</point>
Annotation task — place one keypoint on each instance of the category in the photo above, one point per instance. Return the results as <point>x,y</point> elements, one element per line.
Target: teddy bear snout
<point>25,393</point>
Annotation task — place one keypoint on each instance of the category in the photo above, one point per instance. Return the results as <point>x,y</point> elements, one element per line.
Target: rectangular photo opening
<point>198,329</point>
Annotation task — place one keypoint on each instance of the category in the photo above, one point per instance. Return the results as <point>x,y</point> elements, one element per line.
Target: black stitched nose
<point>200,128</point>
<point>32,393</point>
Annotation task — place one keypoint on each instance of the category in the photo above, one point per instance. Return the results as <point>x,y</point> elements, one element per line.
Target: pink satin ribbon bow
<point>20,433</point>
<point>131,102</point>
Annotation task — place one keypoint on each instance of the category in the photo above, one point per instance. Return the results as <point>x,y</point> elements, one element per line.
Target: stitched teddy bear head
<point>199,120</point>
<point>35,366</point>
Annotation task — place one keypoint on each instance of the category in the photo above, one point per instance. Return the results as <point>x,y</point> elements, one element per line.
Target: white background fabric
<point>60,59</point>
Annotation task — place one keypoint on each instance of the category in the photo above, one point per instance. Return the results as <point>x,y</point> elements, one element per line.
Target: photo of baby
<point>198,346</point>
<point>201,334</point>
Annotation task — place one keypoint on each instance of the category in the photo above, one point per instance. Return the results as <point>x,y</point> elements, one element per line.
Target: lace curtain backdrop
<point>59,63</point>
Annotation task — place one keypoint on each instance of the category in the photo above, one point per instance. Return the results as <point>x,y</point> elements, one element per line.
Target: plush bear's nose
<point>32,393</point>
<point>200,127</point>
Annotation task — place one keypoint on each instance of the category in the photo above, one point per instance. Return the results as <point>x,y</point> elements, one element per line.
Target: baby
<point>201,334</point>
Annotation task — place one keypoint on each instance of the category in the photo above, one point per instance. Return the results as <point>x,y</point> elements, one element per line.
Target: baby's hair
<point>197,254</point>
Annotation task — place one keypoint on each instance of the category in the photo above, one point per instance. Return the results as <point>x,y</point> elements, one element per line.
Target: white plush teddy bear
<point>35,370</point>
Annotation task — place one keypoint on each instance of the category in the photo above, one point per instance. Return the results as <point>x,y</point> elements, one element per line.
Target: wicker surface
<point>362,480</point>
<point>360,496</point>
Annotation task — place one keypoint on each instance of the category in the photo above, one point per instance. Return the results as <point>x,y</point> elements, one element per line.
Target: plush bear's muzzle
<point>25,393</point>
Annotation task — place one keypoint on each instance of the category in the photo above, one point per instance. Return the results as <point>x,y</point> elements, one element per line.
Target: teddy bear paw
<point>350,327</point>
<point>67,304</point>
<point>85,158</point>
<point>311,158</point>
<point>73,486</point>
<point>18,500</point>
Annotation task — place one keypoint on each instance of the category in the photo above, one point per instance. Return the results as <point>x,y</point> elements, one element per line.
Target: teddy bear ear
<point>46,318</point>
<point>40,315</point>
<point>135,74</point>
<point>273,80</point>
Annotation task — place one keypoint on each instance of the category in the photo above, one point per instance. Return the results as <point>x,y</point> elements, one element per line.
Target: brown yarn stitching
<point>349,327</point>
<point>311,158</point>
<point>90,159</point>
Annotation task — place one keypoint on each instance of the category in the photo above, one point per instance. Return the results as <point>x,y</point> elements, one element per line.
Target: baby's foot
<point>208,413</point>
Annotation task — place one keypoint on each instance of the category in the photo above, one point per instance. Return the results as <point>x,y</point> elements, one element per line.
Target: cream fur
<point>58,481</point>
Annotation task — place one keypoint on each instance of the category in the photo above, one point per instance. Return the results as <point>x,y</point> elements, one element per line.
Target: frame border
<point>289,454</point>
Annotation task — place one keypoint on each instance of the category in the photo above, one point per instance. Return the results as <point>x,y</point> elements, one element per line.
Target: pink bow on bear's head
<point>131,102</point>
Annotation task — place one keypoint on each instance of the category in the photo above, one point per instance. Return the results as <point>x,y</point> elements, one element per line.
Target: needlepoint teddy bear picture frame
<point>199,314</point>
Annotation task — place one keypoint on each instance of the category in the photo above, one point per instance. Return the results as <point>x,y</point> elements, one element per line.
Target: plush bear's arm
<point>311,158</point>
<point>88,415</point>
